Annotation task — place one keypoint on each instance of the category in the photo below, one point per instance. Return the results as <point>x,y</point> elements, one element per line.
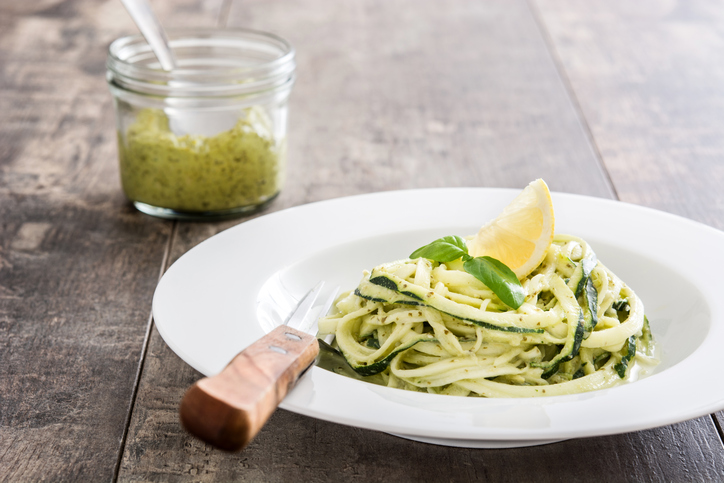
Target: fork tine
<point>312,327</point>
<point>297,317</point>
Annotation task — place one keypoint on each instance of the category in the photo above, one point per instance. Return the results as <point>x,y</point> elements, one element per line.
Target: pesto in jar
<point>236,168</point>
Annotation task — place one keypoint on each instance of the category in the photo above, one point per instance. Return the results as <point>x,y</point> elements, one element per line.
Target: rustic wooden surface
<point>608,98</point>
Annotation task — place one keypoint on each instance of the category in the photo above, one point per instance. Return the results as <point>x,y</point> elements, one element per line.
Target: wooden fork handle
<point>227,410</point>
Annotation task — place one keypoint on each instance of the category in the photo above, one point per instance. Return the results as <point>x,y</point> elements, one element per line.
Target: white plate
<point>231,289</point>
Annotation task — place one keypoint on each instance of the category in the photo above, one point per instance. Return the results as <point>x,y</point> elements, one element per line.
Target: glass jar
<point>207,139</point>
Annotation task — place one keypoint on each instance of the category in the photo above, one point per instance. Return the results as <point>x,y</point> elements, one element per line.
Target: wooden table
<point>607,98</point>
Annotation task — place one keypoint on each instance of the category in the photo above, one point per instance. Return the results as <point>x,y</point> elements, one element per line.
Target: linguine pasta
<point>429,326</point>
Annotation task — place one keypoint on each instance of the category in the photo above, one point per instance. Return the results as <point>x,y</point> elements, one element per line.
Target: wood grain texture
<point>77,264</point>
<point>388,98</point>
<point>651,88</point>
<point>419,94</point>
<point>719,423</point>
<point>390,95</point>
<point>652,93</point>
<point>227,410</point>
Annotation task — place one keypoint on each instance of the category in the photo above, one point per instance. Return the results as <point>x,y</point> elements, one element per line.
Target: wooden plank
<point>77,269</point>
<point>418,94</point>
<point>78,264</point>
<point>651,94</point>
<point>74,296</point>
<point>643,76</point>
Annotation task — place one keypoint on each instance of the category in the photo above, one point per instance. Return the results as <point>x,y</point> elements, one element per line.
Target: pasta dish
<point>431,326</point>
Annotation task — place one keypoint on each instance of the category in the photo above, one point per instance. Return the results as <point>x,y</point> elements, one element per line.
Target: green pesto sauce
<point>239,167</point>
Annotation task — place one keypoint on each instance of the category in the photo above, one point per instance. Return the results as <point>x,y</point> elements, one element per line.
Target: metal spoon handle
<point>150,27</point>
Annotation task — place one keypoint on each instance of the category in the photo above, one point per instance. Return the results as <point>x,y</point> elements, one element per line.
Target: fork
<point>227,410</point>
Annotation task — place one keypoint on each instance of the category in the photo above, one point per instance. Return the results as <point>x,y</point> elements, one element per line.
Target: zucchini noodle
<point>432,327</point>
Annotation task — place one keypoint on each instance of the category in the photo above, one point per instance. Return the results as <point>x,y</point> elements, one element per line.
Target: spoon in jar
<point>150,27</point>
<point>180,121</point>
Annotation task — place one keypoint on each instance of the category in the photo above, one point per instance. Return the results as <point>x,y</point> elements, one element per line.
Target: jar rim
<point>234,61</point>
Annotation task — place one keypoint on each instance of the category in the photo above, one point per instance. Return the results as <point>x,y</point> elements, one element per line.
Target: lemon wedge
<point>522,233</point>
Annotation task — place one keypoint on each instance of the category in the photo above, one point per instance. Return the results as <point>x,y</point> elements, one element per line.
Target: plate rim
<point>527,434</point>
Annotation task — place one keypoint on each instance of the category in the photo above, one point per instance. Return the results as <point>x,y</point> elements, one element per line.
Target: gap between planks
<point>586,127</point>
<point>142,359</point>
<point>718,427</point>
<point>573,99</point>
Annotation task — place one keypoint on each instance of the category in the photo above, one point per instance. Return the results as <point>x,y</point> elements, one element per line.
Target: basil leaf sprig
<point>498,277</point>
<point>445,249</point>
<point>493,273</point>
